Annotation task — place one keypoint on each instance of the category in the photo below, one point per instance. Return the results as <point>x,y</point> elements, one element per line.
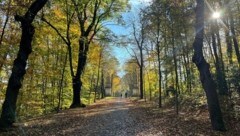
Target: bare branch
<point>56,30</point>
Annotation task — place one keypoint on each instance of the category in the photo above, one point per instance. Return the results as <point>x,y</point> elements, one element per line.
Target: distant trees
<point>131,78</point>
<point>165,37</point>
<point>90,18</point>
<point>90,15</point>
<point>167,50</point>
<point>139,35</point>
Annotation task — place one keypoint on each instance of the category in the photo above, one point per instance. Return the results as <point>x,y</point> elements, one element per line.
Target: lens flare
<point>216,15</point>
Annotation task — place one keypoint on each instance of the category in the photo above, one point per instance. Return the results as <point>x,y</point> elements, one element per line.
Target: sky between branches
<point>120,52</point>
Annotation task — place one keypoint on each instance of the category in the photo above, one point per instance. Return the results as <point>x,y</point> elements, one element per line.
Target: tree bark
<point>102,85</point>
<point>141,73</point>
<point>176,74</point>
<point>229,47</point>
<point>19,66</point>
<point>77,83</point>
<point>235,42</point>
<point>221,81</point>
<point>159,77</point>
<point>96,88</point>
<point>205,75</point>
<point>60,90</point>
<point>84,42</point>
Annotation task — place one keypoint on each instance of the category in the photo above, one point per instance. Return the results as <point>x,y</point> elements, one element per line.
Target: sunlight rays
<point>217,15</point>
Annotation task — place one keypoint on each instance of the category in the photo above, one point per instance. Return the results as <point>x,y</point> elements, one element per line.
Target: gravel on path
<point>107,117</point>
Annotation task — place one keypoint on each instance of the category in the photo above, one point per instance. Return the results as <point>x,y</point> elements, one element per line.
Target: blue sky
<point>120,52</point>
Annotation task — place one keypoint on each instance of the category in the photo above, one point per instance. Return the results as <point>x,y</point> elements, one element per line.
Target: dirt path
<point>108,117</point>
<point>120,117</point>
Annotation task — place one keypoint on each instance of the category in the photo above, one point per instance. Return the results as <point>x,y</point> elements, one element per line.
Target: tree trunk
<point>111,78</point>
<point>19,65</point>
<point>187,69</point>
<point>221,81</point>
<point>159,77</point>
<point>61,83</point>
<point>229,47</point>
<point>235,42</point>
<point>205,75</point>
<point>5,23</point>
<point>141,74</point>
<point>76,81</point>
<point>149,85</point>
<point>98,76</point>
<point>91,87</point>
<point>176,77</point>
<point>4,57</point>
<point>141,82</point>
<point>159,65</point>
<point>44,95</point>
<point>102,84</point>
<point>76,102</point>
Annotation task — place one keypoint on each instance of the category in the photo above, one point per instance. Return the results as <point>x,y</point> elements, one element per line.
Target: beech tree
<point>139,36</point>
<point>203,68</point>
<point>90,15</point>
<point>19,66</point>
<point>155,15</point>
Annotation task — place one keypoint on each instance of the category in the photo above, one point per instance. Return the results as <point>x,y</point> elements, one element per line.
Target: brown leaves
<point>121,117</point>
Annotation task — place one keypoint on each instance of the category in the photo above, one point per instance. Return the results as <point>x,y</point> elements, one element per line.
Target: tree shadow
<point>120,119</point>
<point>95,120</point>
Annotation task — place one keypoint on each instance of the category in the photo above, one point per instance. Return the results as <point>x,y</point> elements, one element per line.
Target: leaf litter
<point>121,117</point>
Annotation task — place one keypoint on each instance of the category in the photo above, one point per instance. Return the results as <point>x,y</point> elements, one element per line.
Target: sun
<point>216,15</point>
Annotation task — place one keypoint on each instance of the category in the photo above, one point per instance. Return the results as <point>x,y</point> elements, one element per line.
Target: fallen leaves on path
<point>121,117</point>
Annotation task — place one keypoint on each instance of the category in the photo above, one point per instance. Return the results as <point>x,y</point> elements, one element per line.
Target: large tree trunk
<point>76,102</point>
<point>76,81</point>
<point>19,66</point>
<point>205,75</point>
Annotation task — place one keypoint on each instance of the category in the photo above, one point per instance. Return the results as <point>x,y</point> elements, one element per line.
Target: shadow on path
<point>108,117</point>
<point>120,117</point>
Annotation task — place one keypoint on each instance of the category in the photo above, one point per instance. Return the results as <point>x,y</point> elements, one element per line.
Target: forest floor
<point>121,117</point>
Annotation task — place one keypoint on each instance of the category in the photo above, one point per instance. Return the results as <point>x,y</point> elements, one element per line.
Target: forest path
<point>120,117</point>
<point>107,117</point>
